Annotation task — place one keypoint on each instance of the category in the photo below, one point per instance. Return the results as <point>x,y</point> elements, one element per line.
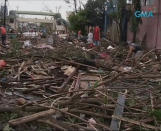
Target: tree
<point>135,22</point>
<point>92,14</point>
<point>95,12</point>
<point>57,16</point>
<point>120,16</point>
<point>78,21</point>
<point>74,2</point>
<point>77,4</point>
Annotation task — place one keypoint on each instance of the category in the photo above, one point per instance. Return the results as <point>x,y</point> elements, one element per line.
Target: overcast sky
<point>40,5</point>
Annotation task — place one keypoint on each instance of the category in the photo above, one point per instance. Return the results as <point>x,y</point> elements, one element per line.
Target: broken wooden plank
<point>115,123</point>
<point>68,79</point>
<point>30,118</point>
<point>76,63</point>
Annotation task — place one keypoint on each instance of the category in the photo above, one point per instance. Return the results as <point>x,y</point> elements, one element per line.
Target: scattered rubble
<point>68,86</point>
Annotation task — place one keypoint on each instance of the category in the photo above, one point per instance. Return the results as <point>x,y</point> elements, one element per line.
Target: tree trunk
<point>120,28</point>
<point>134,36</point>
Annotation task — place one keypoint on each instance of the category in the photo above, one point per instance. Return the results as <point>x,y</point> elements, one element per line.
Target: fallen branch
<point>111,80</point>
<point>70,114</point>
<point>30,118</point>
<point>76,63</point>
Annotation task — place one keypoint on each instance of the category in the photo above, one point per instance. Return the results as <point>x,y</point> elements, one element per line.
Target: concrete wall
<point>149,27</point>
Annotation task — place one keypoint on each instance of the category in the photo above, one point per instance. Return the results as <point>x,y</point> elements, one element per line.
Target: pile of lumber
<point>60,88</point>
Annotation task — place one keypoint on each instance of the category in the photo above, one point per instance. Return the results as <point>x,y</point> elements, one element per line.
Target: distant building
<point>60,29</point>
<point>15,21</point>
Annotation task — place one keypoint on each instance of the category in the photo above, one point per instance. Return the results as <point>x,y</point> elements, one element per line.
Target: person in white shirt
<point>90,37</point>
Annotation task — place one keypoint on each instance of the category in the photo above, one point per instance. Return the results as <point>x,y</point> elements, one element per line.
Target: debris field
<point>69,86</point>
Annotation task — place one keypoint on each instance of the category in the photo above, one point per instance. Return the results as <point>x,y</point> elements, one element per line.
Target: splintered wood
<point>66,88</point>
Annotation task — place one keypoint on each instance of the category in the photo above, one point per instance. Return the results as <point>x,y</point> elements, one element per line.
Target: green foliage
<point>95,12</point>
<point>121,7</point>
<point>157,114</point>
<point>92,14</point>
<point>7,116</point>
<point>15,48</point>
<point>8,128</point>
<point>78,21</point>
<point>4,118</point>
<point>96,84</point>
<point>61,21</point>
<point>57,16</point>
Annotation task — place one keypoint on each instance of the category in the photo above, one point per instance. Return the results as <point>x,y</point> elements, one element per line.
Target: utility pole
<point>106,8</point>
<point>75,5</point>
<point>105,24</point>
<point>5,13</point>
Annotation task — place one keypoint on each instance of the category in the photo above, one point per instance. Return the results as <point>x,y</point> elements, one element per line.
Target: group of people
<point>135,51</point>
<point>94,40</point>
<point>93,36</point>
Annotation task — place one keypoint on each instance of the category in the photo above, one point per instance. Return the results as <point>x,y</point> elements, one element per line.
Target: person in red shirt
<point>97,35</point>
<point>3,34</point>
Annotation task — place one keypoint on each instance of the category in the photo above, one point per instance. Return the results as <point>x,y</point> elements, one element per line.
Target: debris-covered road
<point>70,86</point>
